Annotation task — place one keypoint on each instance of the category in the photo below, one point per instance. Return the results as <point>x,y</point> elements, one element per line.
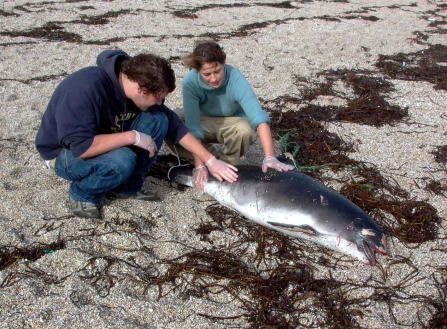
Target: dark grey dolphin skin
<point>297,205</point>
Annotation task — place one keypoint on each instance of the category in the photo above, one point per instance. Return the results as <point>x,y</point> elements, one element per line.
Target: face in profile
<point>144,99</point>
<point>212,73</point>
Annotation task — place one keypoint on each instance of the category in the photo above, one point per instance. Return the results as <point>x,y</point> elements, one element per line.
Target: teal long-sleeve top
<point>234,97</point>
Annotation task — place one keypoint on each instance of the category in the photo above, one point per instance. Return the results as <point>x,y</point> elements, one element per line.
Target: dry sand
<point>103,275</point>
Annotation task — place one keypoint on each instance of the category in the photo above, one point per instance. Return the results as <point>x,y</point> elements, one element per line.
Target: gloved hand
<point>145,142</point>
<point>274,163</point>
<point>199,175</point>
<point>221,170</point>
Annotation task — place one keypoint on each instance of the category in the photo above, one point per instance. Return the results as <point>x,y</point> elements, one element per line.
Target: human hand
<point>222,170</point>
<point>199,175</point>
<point>145,142</point>
<point>274,163</point>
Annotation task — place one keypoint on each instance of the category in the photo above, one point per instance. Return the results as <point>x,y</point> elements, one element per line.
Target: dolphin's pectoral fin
<point>295,228</point>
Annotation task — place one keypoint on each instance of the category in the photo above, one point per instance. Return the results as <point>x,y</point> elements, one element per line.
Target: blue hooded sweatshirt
<point>91,102</point>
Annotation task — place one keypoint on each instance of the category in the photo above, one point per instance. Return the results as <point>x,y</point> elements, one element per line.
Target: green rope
<point>285,145</point>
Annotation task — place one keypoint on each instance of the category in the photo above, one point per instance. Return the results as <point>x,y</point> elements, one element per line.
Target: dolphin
<point>297,205</point>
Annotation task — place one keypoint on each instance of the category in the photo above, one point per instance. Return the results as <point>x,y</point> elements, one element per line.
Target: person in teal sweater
<point>221,107</point>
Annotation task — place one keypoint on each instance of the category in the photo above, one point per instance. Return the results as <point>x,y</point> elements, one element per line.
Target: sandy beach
<point>357,90</point>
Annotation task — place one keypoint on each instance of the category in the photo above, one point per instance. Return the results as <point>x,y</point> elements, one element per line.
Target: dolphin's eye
<point>324,201</point>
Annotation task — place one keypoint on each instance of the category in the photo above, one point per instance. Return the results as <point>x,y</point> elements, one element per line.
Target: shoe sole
<point>124,197</point>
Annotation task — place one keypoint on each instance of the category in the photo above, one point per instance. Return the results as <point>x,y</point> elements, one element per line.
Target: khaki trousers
<point>234,133</point>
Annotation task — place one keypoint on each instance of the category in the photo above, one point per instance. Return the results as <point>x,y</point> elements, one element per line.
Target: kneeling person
<point>219,106</point>
<point>104,125</point>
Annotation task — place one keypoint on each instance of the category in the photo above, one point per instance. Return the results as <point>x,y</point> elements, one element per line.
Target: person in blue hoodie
<point>219,106</point>
<point>104,125</point>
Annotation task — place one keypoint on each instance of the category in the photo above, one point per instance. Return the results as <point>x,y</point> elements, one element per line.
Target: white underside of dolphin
<point>297,205</point>
<point>266,214</point>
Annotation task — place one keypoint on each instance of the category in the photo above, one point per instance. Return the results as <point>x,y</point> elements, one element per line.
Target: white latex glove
<point>145,142</point>
<point>222,170</point>
<point>274,163</point>
<point>199,175</point>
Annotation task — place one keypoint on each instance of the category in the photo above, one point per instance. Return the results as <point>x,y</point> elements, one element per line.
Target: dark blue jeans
<point>120,171</point>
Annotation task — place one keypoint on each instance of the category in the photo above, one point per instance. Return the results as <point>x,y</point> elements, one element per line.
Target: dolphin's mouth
<point>370,249</point>
<point>369,253</point>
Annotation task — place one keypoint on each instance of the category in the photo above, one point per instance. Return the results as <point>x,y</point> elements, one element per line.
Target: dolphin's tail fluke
<point>181,174</point>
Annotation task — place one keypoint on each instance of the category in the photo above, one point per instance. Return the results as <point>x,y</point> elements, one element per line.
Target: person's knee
<point>164,123</point>
<point>159,124</point>
<point>245,132</point>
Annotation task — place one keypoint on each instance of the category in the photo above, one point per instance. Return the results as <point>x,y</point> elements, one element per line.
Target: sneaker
<point>143,195</point>
<point>85,209</point>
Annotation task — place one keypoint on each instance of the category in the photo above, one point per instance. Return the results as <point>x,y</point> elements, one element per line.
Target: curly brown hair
<point>205,51</point>
<point>153,74</point>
